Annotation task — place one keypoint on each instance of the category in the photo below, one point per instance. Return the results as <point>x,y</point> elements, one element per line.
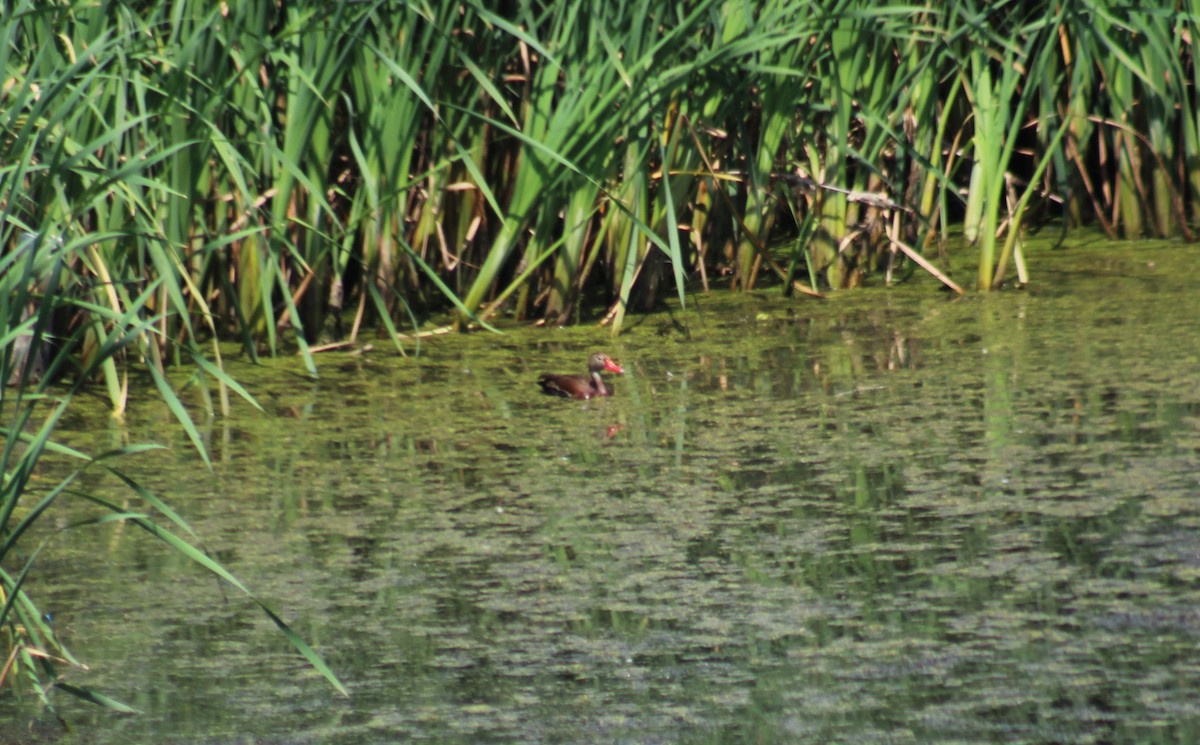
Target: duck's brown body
<point>581,386</point>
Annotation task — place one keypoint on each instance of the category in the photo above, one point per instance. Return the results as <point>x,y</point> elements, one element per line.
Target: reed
<point>296,173</point>
<point>36,350</point>
<point>995,75</point>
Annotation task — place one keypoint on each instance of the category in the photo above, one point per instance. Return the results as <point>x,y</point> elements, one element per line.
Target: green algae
<point>892,516</point>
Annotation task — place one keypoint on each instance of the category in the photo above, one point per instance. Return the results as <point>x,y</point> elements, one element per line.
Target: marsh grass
<point>305,171</point>
<point>39,291</point>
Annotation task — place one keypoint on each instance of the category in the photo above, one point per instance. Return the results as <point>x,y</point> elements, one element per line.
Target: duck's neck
<point>598,384</point>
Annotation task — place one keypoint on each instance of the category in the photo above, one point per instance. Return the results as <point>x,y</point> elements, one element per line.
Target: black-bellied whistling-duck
<point>581,386</point>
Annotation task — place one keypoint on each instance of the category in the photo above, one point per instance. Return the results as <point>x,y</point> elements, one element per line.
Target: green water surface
<point>888,517</point>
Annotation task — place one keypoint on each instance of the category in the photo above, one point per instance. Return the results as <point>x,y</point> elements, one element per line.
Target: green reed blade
<point>672,230</point>
<point>202,559</point>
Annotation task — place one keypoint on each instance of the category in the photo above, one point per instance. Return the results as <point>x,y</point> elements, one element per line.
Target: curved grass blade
<point>437,282</point>
<point>385,316</point>
<point>676,252</point>
<point>224,378</point>
<point>150,498</point>
<point>96,698</point>
<point>205,561</point>
<point>176,406</point>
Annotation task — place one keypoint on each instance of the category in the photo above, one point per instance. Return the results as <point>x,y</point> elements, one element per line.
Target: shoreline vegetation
<point>299,174</point>
<point>319,169</point>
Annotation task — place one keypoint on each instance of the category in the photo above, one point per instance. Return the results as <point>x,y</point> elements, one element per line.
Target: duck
<point>582,387</point>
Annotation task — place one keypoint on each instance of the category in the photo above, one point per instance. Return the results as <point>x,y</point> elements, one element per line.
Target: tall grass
<point>38,293</point>
<point>303,172</point>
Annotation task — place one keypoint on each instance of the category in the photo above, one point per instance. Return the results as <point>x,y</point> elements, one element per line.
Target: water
<point>892,516</point>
